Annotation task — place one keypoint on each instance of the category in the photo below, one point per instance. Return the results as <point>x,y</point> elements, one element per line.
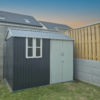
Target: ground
<point>76,90</point>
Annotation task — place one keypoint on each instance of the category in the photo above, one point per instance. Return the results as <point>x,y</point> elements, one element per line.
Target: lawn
<point>63,91</point>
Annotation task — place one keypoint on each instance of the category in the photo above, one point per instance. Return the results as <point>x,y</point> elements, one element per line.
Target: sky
<point>74,13</point>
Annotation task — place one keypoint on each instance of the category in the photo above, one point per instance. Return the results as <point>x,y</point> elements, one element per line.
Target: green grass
<point>63,91</point>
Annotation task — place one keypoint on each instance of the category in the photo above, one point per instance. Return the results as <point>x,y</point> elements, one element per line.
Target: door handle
<point>62,61</point>
<point>62,54</point>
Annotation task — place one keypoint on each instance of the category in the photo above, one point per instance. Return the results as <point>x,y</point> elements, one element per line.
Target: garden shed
<point>37,58</point>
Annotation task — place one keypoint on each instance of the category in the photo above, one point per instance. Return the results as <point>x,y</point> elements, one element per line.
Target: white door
<point>55,61</point>
<point>61,61</point>
<point>67,61</point>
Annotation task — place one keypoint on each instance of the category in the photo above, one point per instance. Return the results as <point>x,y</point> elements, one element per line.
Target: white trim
<point>67,33</point>
<point>34,48</point>
<point>62,28</point>
<point>26,47</point>
<point>8,35</point>
<point>41,48</point>
<point>44,27</point>
<point>48,38</point>
<point>20,25</point>
<point>26,26</point>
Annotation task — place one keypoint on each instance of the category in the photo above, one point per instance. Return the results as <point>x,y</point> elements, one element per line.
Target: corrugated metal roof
<point>9,17</point>
<point>53,26</point>
<point>37,34</point>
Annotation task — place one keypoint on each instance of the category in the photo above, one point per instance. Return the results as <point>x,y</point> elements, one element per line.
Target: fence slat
<point>93,42</point>
<point>82,43</point>
<point>86,44</point>
<point>79,44</point>
<point>98,43</point>
<point>76,44</point>
<point>89,38</point>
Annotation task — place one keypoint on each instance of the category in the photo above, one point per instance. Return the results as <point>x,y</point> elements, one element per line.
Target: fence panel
<point>87,42</point>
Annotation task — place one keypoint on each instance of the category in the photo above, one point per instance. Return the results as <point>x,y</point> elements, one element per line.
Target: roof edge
<point>52,35</point>
<point>40,29</point>
<point>21,24</point>
<point>62,28</point>
<point>86,25</point>
<point>53,23</point>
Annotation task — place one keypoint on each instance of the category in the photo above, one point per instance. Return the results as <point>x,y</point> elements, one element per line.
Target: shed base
<point>30,88</point>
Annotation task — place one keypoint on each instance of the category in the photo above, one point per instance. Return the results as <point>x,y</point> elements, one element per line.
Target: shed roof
<point>37,34</point>
<point>8,17</point>
<point>53,26</point>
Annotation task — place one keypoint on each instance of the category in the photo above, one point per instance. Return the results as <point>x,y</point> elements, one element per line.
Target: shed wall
<point>1,51</point>
<point>3,33</point>
<point>30,72</point>
<point>9,61</point>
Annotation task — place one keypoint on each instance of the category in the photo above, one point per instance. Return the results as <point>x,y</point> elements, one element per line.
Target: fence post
<point>98,44</point>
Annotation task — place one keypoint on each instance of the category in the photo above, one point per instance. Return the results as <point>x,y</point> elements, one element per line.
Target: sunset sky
<point>73,13</point>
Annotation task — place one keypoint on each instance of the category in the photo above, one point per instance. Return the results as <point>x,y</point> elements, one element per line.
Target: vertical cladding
<point>9,62</point>
<point>4,52</point>
<point>31,72</point>
<point>1,51</point>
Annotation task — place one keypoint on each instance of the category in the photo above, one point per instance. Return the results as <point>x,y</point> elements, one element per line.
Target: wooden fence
<point>87,42</point>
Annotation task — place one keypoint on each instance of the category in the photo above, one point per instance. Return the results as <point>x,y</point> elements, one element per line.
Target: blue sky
<point>74,13</point>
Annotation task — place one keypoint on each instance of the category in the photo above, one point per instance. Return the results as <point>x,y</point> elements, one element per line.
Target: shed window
<point>33,48</point>
<point>30,52</point>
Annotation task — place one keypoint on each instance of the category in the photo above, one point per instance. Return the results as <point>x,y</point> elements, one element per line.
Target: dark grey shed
<point>23,72</point>
<point>20,72</point>
<point>8,19</point>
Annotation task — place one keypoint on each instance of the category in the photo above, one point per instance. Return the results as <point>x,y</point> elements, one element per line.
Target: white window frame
<point>34,48</point>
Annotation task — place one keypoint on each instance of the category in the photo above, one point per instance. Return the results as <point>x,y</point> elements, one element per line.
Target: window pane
<point>37,51</point>
<point>38,42</point>
<point>30,52</point>
<point>30,41</point>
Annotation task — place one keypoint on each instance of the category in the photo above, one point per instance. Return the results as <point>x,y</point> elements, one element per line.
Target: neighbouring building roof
<point>53,26</point>
<point>9,17</point>
<point>36,34</point>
